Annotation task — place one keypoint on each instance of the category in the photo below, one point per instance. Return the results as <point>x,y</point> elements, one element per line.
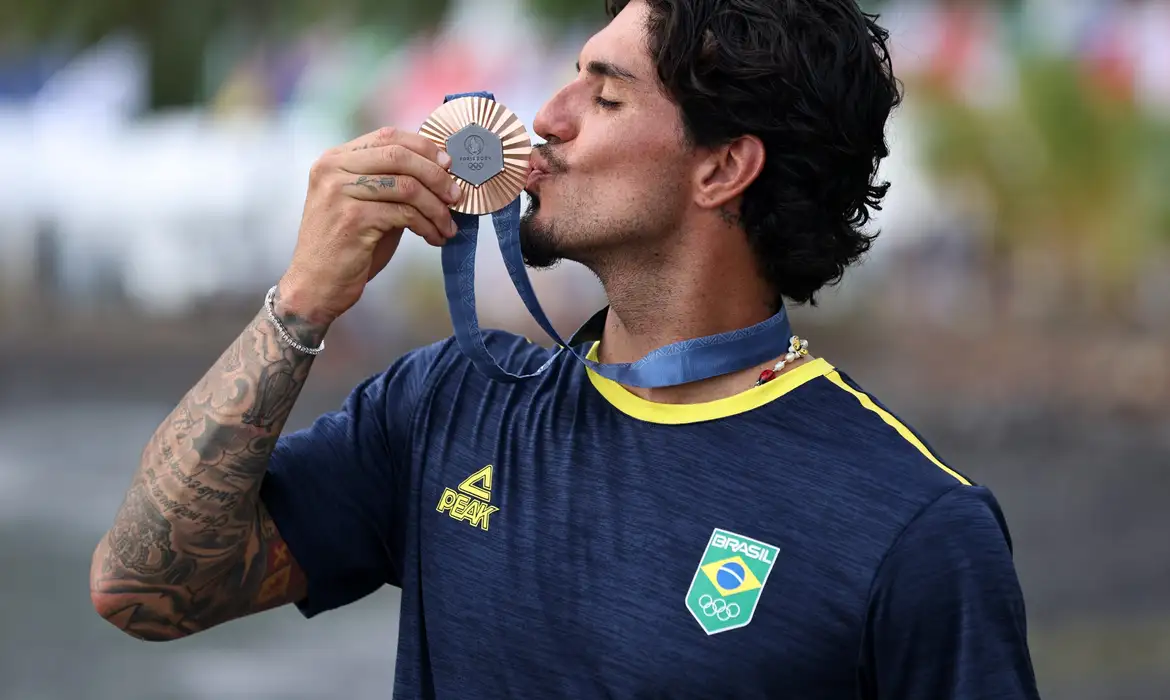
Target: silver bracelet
<point>269,306</point>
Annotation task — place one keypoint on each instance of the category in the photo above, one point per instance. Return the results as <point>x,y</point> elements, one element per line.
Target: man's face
<point>615,173</point>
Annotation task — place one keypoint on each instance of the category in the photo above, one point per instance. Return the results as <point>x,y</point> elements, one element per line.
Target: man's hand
<point>361,197</point>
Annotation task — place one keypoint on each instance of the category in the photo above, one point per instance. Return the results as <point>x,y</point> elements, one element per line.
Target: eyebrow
<point>605,69</point>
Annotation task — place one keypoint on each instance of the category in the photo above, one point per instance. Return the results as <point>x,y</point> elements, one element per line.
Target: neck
<point>681,296</point>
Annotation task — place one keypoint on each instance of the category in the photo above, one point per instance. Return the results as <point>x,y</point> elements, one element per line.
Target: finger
<point>390,136</point>
<point>362,142</point>
<point>402,189</point>
<point>378,137</point>
<point>408,217</point>
<point>399,159</point>
<point>388,217</point>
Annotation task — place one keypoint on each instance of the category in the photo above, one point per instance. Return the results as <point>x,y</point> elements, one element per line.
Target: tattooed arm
<point>192,545</point>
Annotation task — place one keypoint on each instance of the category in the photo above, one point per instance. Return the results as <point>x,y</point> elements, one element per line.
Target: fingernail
<point>455,192</point>
<point>454,228</point>
<point>444,159</point>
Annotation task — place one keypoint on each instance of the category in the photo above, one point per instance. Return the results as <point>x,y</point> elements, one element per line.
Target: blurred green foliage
<point>177,32</point>
<point>1068,165</point>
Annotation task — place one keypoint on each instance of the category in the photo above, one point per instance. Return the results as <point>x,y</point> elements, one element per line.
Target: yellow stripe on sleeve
<point>894,423</point>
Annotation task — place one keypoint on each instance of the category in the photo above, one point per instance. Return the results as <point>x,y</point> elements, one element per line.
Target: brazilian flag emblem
<point>729,580</point>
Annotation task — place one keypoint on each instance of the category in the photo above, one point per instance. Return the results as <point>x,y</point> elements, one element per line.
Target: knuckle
<point>401,216</point>
<point>319,168</point>
<point>420,223</point>
<point>407,187</point>
<point>436,214</point>
<point>402,155</point>
<point>386,134</point>
<point>392,155</point>
<point>439,179</point>
<point>410,216</point>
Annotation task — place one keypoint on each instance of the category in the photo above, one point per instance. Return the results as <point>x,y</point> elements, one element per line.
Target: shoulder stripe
<point>894,423</point>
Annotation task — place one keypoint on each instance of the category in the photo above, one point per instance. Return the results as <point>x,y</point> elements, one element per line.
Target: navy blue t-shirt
<point>563,538</point>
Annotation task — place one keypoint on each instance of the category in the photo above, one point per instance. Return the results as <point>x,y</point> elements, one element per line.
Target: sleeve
<point>946,614</point>
<point>334,490</point>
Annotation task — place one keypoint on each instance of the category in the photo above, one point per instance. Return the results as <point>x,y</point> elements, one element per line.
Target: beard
<point>597,243</point>
<point>538,240</point>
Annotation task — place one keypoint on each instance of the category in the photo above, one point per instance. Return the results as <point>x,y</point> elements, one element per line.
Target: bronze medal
<point>489,149</point>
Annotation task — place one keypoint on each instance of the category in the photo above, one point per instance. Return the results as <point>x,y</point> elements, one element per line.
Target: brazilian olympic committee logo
<point>729,580</point>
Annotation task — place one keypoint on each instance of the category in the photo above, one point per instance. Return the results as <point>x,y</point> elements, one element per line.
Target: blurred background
<point>153,162</point>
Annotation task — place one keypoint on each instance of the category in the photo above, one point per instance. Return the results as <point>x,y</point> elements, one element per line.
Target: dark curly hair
<point>813,80</point>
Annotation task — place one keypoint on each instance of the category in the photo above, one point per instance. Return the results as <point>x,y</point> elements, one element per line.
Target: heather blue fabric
<point>894,579</point>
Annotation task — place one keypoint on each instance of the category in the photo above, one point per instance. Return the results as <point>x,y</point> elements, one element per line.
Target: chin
<point>539,242</point>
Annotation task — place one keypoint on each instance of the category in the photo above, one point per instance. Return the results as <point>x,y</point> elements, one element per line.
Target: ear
<point>726,171</point>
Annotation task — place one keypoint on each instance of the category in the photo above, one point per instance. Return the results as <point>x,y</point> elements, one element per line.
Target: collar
<point>592,330</point>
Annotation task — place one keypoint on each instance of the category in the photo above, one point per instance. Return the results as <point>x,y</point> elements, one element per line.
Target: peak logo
<point>471,502</point>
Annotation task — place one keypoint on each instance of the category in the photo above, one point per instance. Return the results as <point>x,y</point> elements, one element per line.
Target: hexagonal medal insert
<point>477,155</point>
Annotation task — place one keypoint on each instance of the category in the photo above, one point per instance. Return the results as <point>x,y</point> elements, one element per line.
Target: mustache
<point>555,162</point>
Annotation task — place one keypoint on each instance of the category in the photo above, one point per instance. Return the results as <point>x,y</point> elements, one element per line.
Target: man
<point>565,536</point>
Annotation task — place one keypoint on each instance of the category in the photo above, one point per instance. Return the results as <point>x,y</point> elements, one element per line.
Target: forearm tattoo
<point>191,545</point>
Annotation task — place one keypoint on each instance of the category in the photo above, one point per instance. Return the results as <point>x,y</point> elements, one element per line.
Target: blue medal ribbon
<point>678,363</point>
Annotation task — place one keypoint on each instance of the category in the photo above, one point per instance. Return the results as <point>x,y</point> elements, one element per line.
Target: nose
<point>556,122</point>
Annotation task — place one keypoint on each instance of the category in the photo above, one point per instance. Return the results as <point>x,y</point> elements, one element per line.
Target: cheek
<point>619,160</point>
<point>648,176</point>
<point>609,142</point>
<point>646,145</point>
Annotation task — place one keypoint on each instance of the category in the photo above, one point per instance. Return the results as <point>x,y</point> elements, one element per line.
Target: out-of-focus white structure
<point>173,207</point>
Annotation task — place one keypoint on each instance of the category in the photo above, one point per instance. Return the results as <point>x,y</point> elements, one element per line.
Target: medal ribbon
<point>678,363</point>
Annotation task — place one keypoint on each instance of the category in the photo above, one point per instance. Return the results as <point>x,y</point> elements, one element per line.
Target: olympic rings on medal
<point>718,608</point>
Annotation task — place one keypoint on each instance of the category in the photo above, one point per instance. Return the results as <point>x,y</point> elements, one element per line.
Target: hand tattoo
<point>373,184</point>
